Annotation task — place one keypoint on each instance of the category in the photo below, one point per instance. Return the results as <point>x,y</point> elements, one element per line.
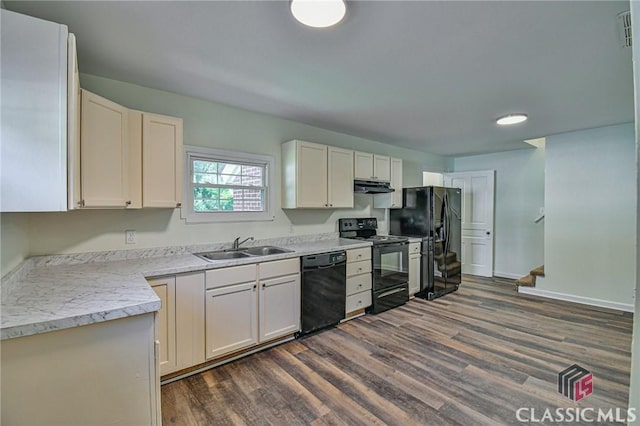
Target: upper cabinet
<point>371,167</point>
<point>316,176</point>
<point>391,200</point>
<point>34,113</point>
<point>155,160</point>
<point>104,170</point>
<point>129,159</point>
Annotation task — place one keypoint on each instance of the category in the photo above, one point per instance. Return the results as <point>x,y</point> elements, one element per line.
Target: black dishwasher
<point>324,280</point>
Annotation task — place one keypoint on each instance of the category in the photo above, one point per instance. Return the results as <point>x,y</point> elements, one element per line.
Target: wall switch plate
<point>130,237</point>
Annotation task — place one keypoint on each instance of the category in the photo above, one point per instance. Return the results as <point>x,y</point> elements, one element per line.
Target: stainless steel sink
<point>265,250</point>
<point>242,253</point>
<point>222,255</point>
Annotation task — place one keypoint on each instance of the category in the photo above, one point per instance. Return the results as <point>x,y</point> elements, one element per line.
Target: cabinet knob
<point>81,203</point>
<point>330,205</point>
<point>178,204</point>
<point>128,203</point>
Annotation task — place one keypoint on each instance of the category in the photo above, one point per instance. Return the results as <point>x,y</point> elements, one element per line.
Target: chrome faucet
<point>237,243</point>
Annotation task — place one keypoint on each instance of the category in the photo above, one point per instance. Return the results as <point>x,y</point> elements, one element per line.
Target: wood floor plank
<point>472,357</point>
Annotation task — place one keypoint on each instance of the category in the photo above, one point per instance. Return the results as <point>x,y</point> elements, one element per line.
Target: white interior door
<point>477,219</point>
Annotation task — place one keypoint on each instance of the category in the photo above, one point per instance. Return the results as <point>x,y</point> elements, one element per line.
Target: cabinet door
<point>33,176</point>
<point>279,307</point>
<point>165,288</point>
<point>161,161</point>
<point>340,177</point>
<point>231,319</point>
<point>73,126</point>
<point>103,152</point>
<point>311,174</point>
<point>363,165</point>
<point>190,319</point>
<point>381,168</point>
<point>396,183</point>
<point>414,274</point>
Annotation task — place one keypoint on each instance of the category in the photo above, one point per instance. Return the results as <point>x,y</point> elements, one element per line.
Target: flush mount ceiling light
<point>318,13</point>
<point>511,119</point>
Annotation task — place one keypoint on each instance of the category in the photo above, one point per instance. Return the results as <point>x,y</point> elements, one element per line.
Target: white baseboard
<point>508,275</point>
<point>576,299</point>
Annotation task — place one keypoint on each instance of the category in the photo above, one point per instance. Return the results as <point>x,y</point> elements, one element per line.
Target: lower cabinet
<point>414,268</point>
<point>231,318</point>
<point>180,321</point>
<point>251,304</point>
<point>358,281</point>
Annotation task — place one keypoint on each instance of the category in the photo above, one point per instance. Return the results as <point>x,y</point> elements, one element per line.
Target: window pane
<point>205,178</point>
<point>200,193</point>
<point>205,205</point>
<point>229,168</point>
<point>253,200</point>
<point>201,166</point>
<point>230,180</point>
<point>226,204</point>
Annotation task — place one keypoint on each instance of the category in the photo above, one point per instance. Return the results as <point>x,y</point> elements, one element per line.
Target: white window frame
<point>211,154</point>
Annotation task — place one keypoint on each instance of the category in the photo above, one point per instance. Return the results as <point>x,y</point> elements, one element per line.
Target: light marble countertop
<point>48,293</point>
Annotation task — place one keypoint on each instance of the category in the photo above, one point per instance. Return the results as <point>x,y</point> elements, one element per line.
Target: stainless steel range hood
<point>371,187</point>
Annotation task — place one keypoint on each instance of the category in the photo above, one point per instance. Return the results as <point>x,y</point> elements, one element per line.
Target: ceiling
<point>427,75</point>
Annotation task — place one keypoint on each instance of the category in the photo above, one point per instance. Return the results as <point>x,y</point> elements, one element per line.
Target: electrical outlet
<point>130,237</point>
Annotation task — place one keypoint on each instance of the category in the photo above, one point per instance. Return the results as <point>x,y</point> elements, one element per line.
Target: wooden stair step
<point>539,271</point>
<point>526,281</point>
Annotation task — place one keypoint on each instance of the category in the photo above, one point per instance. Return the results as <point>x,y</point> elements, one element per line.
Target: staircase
<point>530,280</point>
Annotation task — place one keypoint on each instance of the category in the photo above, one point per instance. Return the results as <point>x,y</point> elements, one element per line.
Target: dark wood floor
<point>470,358</point>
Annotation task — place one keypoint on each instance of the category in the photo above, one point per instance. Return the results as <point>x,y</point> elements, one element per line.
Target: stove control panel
<point>370,223</point>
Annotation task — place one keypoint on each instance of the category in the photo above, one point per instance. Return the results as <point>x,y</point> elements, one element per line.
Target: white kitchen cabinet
<point>371,167</point>
<point>34,78</point>
<point>359,281</point>
<point>165,288</point>
<point>340,177</point>
<point>180,321</point>
<point>239,316</point>
<point>104,167</point>
<point>316,176</point>
<point>279,304</point>
<point>391,200</point>
<point>414,268</point>
<point>190,320</point>
<point>155,160</point>
<point>231,318</point>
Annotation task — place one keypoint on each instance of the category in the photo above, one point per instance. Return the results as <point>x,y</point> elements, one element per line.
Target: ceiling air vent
<point>624,28</point>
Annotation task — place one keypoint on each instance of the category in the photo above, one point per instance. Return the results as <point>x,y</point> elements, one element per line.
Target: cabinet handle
<point>81,203</point>
<point>178,204</point>
<point>128,203</point>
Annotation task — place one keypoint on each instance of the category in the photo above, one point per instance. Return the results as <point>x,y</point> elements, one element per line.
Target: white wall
<point>590,201</point>
<point>634,389</point>
<point>519,194</point>
<point>212,125</point>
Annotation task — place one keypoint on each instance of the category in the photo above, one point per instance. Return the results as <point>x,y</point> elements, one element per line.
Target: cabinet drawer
<point>414,248</point>
<point>357,268</point>
<point>358,301</point>
<point>358,283</point>
<point>278,268</point>
<point>232,275</point>
<point>356,255</point>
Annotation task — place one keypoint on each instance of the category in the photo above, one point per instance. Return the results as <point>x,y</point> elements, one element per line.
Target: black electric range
<point>390,262</point>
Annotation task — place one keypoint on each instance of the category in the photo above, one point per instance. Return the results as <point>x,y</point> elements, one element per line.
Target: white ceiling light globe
<point>511,119</point>
<point>318,13</point>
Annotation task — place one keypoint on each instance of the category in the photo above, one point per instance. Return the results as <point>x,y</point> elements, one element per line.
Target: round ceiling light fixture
<point>318,13</point>
<point>511,119</point>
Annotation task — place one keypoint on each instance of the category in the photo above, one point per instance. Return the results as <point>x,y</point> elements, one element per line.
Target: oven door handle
<point>390,292</point>
<point>384,246</point>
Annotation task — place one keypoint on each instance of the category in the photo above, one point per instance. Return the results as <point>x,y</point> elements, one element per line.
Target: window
<point>226,186</point>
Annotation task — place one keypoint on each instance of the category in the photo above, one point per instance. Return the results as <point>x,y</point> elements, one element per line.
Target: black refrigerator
<point>433,213</point>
